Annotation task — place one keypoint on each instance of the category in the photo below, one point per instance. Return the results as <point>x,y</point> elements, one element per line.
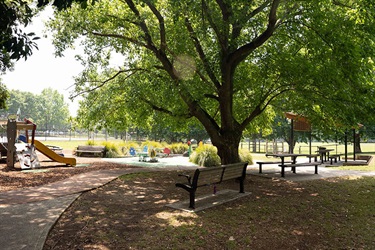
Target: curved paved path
<point>27,215</point>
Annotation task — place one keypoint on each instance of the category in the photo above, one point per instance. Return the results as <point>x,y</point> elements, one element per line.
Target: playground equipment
<point>53,155</point>
<point>25,152</point>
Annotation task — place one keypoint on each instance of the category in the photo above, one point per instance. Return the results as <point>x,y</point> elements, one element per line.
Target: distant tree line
<point>48,109</point>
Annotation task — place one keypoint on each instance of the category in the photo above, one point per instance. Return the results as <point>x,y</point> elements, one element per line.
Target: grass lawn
<point>69,145</point>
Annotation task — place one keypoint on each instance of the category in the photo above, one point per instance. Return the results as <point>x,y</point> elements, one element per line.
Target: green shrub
<point>90,143</point>
<point>178,148</point>
<point>152,144</point>
<point>111,154</point>
<point>245,156</point>
<point>205,155</point>
<point>111,149</point>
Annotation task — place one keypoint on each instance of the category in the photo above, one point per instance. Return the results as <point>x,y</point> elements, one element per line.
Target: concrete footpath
<point>27,215</point>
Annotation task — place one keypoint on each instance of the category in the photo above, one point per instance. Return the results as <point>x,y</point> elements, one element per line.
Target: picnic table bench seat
<point>211,176</point>
<point>293,166</point>
<point>334,158</point>
<point>315,156</point>
<point>261,163</point>
<point>88,150</point>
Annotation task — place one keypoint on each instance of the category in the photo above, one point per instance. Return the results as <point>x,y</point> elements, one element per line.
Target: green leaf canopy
<point>226,62</point>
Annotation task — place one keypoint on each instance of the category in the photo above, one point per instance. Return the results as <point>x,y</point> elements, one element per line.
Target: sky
<point>42,69</point>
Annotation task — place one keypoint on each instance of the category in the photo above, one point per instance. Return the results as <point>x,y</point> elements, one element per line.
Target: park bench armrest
<point>188,177</point>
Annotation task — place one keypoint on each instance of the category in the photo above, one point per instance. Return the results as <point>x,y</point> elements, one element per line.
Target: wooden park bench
<point>88,150</point>
<point>293,166</point>
<point>211,176</point>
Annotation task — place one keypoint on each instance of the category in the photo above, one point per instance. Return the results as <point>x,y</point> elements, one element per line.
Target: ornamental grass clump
<point>179,148</point>
<point>151,144</point>
<point>245,156</point>
<point>90,143</point>
<point>111,150</point>
<point>205,155</point>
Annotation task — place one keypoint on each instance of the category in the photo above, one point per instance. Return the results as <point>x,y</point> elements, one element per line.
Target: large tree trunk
<point>227,146</point>
<point>357,144</point>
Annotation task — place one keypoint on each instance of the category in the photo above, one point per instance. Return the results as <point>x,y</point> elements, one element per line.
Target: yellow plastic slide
<point>52,155</point>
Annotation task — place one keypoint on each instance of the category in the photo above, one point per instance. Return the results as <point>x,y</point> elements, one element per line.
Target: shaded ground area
<point>131,213</point>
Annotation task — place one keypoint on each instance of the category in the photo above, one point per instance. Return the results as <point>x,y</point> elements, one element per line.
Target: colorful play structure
<point>21,154</point>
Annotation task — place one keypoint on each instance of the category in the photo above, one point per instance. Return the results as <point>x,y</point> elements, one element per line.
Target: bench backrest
<point>91,148</point>
<point>207,176</point>
<point>236,170</point>
<point>215,175</point>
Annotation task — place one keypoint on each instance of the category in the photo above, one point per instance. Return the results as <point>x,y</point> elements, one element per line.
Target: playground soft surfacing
<point>165,162</point>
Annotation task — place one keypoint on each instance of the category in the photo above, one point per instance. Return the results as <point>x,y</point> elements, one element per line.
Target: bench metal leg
<point>333,158</point>
<point>282,171</point>
<point>260,167</point>
<point>192,199</point>
<point>242,188</point>
<point>316,169</point>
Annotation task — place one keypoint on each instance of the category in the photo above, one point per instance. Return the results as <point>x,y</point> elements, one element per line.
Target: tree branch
<point>163,42</point>
<point>317,33</point>
<point>266,99</point>
<point>129,39</point>
<point>142,25</point>
<point>242,52</point>
<point>163,110</point>
<point>201,54</point>
<point>338,3</point>
<point>237,27</point>
<point>102,83</point>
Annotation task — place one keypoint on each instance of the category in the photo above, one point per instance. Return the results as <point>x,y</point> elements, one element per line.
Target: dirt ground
<point>50,172</point>
<point>130,213</point>
<point>100,210</point>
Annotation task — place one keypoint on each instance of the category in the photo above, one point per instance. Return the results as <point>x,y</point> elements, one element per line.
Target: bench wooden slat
<point>90,150</point>
<point>209,176</point>
<point>304,164</point>
<point>269,162</point>
<point>293,166</point>
<point>233,171</point>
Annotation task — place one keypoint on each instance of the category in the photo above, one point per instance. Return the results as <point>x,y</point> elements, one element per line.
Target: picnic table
<point>282,156</point>
<point>324,154</point>
<point>294,163</point>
